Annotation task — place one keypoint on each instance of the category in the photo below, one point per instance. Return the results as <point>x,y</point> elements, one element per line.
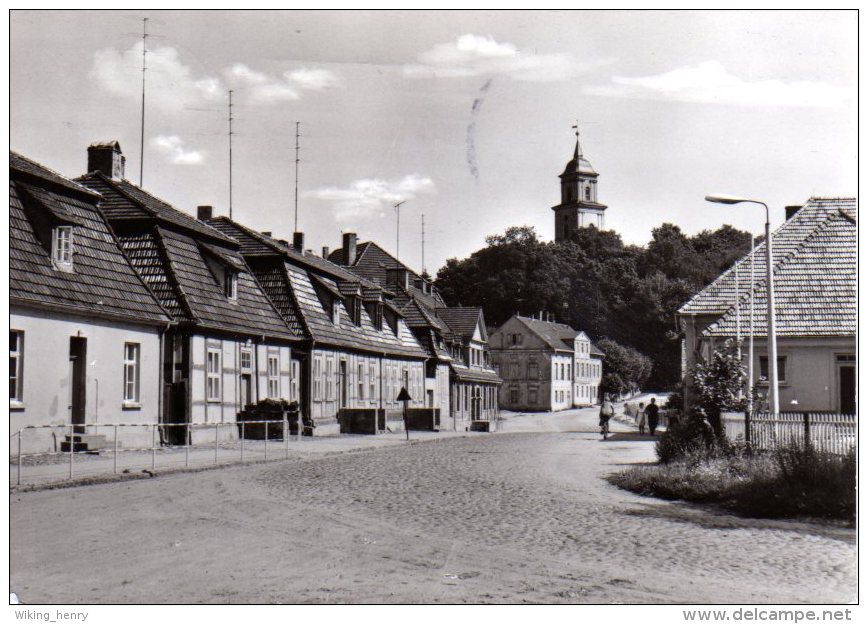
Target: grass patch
<point>785,483</point>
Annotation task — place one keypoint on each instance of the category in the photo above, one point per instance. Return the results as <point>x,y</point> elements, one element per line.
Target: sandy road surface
<point>508,517</point>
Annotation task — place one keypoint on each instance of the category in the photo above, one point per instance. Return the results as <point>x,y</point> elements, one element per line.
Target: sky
<point>466,116</point>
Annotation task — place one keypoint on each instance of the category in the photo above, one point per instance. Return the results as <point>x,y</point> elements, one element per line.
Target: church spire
<point>578,151</point>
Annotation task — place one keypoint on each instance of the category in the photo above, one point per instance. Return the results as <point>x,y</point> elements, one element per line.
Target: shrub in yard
<point>688,437</point>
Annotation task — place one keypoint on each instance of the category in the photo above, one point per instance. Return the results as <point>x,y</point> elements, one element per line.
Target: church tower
<point>579,206</point>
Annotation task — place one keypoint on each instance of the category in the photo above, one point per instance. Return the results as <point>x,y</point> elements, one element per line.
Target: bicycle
<point>604,428</point>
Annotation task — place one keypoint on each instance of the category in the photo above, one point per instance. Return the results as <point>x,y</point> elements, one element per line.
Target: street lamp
<point>772,333</point>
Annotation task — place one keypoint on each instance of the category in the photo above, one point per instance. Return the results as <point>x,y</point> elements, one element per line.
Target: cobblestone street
<point>507,517</point>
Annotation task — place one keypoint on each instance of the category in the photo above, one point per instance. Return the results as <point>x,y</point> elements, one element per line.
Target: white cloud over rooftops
<point>371,197</point>
<point>710,82</point>
<point>172,84</point>
<point>172,147</point>
<point>475,55</point>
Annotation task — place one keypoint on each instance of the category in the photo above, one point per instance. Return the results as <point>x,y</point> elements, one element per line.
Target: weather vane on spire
<point>578,151</point>
<point>576,128</point>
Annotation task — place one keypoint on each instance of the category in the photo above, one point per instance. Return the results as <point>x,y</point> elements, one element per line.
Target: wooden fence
<point>824,431</point>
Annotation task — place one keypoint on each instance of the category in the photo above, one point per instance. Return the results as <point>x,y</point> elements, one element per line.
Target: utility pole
<point>230,155</point>
<point>297,125</point>
<point>398,229</point>
<point>144,69</point>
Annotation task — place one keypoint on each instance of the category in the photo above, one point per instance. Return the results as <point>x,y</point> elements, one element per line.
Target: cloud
<point>313,79</point>
<point>474,55</point>
<point>265,89</point>
<point>372,197</point>
<point>172,147</point>
<point>710,82</point>
<point>170,83</point>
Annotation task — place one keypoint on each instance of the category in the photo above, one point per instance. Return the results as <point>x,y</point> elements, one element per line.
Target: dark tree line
<point>594,282</point>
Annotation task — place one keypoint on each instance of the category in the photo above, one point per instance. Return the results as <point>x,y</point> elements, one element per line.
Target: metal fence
<point>207,444</point>
<point>823,431</point>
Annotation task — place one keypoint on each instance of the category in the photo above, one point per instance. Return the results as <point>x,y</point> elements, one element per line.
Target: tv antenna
<point>144,69</point>
<point>297,125</point>
<point>423,243</point>
<point>398,229</point>
<point>230,155</point>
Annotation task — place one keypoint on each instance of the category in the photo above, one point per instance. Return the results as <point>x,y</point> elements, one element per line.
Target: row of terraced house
<point>124,309</point>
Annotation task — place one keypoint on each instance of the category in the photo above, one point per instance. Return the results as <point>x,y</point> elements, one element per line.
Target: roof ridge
<point>73,184</point>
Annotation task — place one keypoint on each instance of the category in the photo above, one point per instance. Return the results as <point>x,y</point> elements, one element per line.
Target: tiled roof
<point>557,335</point>
<point>720,295</point>
<point>25,168</point>
<point>250,314</point>
<point>815,286</point>
<point>347,334</point>
<point>372,262</point>
<point>102,282</point>
<point>290,279</point>
<point>462,321</point>
<point>465,373</point>
<point>123,200</point>
<point>595,350</point>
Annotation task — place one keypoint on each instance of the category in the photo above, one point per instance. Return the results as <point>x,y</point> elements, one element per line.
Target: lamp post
<point>774,406</point>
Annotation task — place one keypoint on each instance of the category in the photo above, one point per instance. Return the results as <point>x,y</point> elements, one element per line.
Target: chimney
<point>349,248</point>
<point>107,158</point>
<point>298,241</point>
<point>204,213</point>
<point>325,252</point>
<point>791,210</point>
<point>266,233</point>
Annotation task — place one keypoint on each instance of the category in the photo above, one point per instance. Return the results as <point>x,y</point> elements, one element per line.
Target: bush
<point>786,483</point>
<point>688,437</point>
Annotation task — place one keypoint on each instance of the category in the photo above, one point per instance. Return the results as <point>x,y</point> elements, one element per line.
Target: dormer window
<point>61,247</point>
<point>230,285</point>
<point>336,311</point>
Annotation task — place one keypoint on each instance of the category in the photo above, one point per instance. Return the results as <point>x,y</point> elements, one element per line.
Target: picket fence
<point>823,431</point>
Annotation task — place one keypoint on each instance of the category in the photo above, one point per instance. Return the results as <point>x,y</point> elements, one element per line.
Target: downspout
<point>161,374</point>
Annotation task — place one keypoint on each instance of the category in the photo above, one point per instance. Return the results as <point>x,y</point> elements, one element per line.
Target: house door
<point>78,381</point>
<point>342,380</point>
<point>475,404</point>
<point>246,390</point>
<point>847,389</point>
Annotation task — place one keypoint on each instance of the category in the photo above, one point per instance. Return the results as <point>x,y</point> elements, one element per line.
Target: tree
<point>624,369</point>
<point>596,283</point>
<point>719,384</point>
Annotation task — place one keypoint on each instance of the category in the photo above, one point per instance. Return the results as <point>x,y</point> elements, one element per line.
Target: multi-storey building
<point>545,365</point>
<point>228,346</point>
<point>357,350</point>
<point>85,332</point>
<point>454,337</point>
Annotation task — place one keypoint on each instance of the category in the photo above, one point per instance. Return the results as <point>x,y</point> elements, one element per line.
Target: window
<point>533,369</point>
<point>372,381</point>
<point>273,377</point>
<point>131,372</point>
<point>246,359</point>
<point>213,372</point>
<point>587,193</point>
<point>317,379</point>
<point>569,371</point>
<point>330,379</point>
<point>361,381</point>
<point>294,370</point>
<point>513,395</point>
<point>16,352</point>
<point>61,247</point>
<point>336,311</point>
<point>782,368</point>
<point>532,395</point>
<point>230,285</point>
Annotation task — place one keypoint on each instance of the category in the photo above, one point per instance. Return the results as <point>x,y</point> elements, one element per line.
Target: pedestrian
<point>653,414</point>
<point>640,418</point>
<point>607,410</point>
